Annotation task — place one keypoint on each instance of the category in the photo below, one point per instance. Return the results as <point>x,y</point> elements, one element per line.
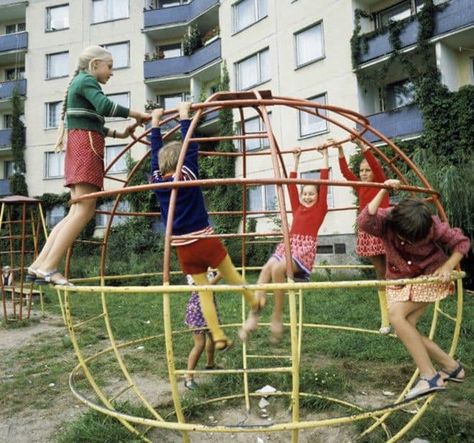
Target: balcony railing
<point>5,138</point>
<point>5,187</point>
<point>401,122</point>
<point>177,14</point>
<point>13,42</point>
<point>7,88</point>
<point>185,65</point>
<point>457,14</point>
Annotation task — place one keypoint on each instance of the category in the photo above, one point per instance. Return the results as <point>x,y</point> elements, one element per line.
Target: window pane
<point>102,219</point>
<point>252,125</point>
<point>103,10</point>
<point>270,197</point>
<point>57,65</point>
<point>10,29</point>
<point>400,94</point>
<point>310,124</point>
<point>7,121</point>
<point>247,73</point>
<point>120,99</point>
<point>53,113</point>
<point>9,168</point>
<point>255,202</point>
<point>57,18</point>
<point>120,54</point>
<point>112,152</point>
<point>244,14</point>
<point>309,45</point>
<point>265,66</point>
<point>54,164</point>
<point>55,215</point>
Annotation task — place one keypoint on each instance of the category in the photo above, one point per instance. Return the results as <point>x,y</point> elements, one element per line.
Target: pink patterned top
<point>408,260</point>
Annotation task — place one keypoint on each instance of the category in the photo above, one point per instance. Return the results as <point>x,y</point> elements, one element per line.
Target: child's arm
<point>323,189</point>
<point>444,271</point>
<point>129,130</point>
<point>156,141</point>
<point>377,200</point>
<point>379,174</point>
<point>191,159</point>
<point>292,188</point>
<point>343,166</point>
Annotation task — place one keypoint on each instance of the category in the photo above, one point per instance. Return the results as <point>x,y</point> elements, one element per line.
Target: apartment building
<point>169,50</point>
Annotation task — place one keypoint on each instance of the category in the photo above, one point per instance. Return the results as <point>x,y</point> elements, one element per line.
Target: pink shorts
<point>196,257</point>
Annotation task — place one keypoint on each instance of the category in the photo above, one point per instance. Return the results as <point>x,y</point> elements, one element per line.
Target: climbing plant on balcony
<point>18,184</point>
<point>192,40</point>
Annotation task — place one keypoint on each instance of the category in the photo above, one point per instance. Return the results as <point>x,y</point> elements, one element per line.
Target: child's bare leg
<point>446,362</point>
<point>210,348</point>
<point>64,237</point>
<point>399,315</point>
<point>193,358</point>
<point>209,311</point>
<point>265,277</point>
<point>378,261</point>
<point>279,276</point>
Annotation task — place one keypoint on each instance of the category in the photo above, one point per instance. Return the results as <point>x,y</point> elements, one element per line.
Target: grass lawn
<point>343,364</point>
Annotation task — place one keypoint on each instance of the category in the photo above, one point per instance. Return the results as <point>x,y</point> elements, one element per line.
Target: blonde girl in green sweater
<point>85,107</point>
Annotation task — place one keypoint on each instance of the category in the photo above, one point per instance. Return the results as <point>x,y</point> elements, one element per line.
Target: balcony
<point>176,71</point>
<point>178,14</point>
<point>5,187</point>
<point>401,122</point>
<point>7,88</point>
<point>455,16</point>
<point>5,138</point>
<point>11,44</point>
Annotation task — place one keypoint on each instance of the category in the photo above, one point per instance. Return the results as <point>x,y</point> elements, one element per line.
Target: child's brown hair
<point>411,219</point>
<point>168,157</point>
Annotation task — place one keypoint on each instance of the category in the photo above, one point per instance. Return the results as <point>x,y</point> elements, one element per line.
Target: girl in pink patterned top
<point>412,238</point>
<point>309,208</point>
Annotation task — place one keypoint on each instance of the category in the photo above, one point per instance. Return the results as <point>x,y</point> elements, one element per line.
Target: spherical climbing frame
<point>259,103</point>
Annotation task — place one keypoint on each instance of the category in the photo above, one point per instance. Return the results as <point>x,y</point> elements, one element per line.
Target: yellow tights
<point>230,275</point>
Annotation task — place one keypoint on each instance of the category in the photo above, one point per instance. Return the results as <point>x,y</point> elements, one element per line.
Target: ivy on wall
<point>18,184</point>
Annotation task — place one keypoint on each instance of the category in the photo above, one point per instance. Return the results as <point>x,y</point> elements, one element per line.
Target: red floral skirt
<point>424,292</point>
<point>84,161</point>
<point>369,245</point>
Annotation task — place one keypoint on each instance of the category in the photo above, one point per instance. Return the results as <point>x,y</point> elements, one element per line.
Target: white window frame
<point>110,47</point>
<point>108,13</point>
<point>111,152</point>
<point>50,18</point>
<point>171,3</point>
<point>17,27</point>
<point>18,73</point>
<point>7,121</point>
<point>8,169</point>
<point>259,10</point>
<point>472,70</point>
<point>64,64</point>
<point>125,101</point>
<point>49,124</point>
<point>253,144</point>
<point>56,160</point>
<point>305,119</point>
<point>178,96</point>
<point>315,45</point>
<point>101,220</point>
<point>267,199</point>
<point>262,75</point>
<point>55,215</point>
<point>315,174</point>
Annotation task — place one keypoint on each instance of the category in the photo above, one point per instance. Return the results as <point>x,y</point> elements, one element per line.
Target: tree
<point>17,180</point>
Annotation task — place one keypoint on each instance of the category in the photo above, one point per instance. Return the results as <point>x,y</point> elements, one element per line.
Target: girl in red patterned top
<point>369,246</point>
<point>309,208</point>
<point>413,240</point>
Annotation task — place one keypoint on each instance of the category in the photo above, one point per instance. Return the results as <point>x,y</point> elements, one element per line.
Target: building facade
<point>169,50</point>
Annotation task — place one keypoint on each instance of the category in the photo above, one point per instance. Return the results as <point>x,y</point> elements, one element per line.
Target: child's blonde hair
<point>84,63</point>
<point>168,157</point>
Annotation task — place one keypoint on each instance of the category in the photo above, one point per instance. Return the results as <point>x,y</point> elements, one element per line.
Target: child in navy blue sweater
<point>191,219</point>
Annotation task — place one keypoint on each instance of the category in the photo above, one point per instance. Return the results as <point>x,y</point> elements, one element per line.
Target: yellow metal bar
<point>295,363</point>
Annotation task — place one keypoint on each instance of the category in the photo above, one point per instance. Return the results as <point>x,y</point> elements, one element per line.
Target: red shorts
<point>84,160</point>
<point>196,257</point>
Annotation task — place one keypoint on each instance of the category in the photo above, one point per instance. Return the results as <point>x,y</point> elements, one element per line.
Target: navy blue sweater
<point>190,213</point>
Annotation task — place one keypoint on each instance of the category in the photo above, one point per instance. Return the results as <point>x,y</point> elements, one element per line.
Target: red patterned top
<point>366,193</point>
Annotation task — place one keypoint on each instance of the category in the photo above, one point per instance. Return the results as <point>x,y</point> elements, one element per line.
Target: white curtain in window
<point>309,45</point>
<point>265,65</point>
<point>270,197</point>
<point>53,114</point>
<point>255,202</point>
<point>310,124</point>
<point>112,152</point>
<point>58,65</point>
<point>54,164</point>
<point>252,125</point>
<point>244,14</point>
<point>120,54</point>
<point>248,74</point>
<point>58,17</point>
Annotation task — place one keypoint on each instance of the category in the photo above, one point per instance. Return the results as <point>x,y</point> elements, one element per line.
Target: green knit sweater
<point>87,105</point>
